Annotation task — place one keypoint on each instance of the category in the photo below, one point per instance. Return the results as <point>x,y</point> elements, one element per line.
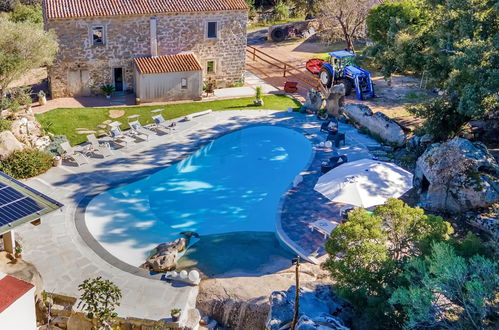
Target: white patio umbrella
<point>364,183</point>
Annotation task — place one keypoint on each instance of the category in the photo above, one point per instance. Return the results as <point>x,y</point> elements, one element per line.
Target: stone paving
<point>65,258</point>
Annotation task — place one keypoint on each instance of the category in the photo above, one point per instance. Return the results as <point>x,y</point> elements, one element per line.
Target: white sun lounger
<point>119,138</point>
<point>323,226</point>
<point>140,131</point>
<point>161,122</point>
<point>102,148</point>
<point>71,153</point>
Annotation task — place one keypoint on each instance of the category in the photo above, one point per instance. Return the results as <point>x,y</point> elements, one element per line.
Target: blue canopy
<point>341,54</point>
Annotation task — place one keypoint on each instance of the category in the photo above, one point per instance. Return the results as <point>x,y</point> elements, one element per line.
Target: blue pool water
<point>233,184</point>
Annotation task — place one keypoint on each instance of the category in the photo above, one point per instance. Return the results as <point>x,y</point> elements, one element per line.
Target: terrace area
<point>66,254</point>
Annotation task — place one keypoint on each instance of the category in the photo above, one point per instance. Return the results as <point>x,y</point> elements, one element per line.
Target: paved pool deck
<point>65,255</point>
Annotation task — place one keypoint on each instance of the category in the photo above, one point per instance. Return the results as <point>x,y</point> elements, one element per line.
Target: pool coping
<point>89,239</point>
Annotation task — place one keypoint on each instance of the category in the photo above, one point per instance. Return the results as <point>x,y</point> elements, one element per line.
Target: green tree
<point>101,297</point>
<point>281,11</point>
<point>27,13</point>
<point>409,229</point>
<point>306,7</point>
<point>390,17</point>
<point>367,253</point>
<point>23,47</point>
<point>454,44</point>
<point>448,291</point>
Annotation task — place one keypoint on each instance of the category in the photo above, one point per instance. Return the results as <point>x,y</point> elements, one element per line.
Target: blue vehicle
<point>339,69</point>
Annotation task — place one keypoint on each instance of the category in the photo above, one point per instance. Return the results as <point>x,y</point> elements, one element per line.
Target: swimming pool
<point>233,184</point>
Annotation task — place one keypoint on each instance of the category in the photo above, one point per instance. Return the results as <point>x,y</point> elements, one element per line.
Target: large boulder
<point>164,256</point>
<point>378,123</point>
<point>318,306</point>
<point>456,176</point>
<point>9,144</point>
<point>314,101</point>
<point>322,322</point>
<point>242,302</point>
<point>335,100</point>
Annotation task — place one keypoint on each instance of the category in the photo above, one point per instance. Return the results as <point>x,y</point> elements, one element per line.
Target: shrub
<point>107,89</point>
<point>27,13</point>
<point>259,93</point>
<point>5,124</point>
<point>281,11</point>
<point>54,148</point>
<point>101,297</point>
<point>26,163</point>
<point>16,98</point>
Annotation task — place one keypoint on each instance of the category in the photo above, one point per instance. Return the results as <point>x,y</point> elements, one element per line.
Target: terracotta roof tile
<point>12,289</point>
<point>167,63</point>
<point>90,8</point>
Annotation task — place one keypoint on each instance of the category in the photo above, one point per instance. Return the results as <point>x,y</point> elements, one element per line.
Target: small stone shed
<point>168,77</point>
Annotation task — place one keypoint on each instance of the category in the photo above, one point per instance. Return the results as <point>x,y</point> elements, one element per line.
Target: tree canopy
<point>367,251</point>
<point>101,297</point>
<point>23,46</point>
<point>402,268</point>
<point>454,44</point>
<point>445,290</point>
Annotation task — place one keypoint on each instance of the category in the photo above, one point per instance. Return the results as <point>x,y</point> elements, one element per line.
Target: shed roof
<point>20,204</point>
<point>91,8</point>
<point>167,63</point>
<point>12,289</point>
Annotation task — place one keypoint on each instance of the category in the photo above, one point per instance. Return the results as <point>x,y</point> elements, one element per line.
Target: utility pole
<point>296,262</point>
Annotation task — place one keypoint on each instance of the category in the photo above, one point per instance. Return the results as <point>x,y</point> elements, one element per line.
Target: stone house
<point>158,49</point>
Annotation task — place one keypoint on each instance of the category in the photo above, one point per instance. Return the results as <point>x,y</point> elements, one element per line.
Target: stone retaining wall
<point>129,37</point>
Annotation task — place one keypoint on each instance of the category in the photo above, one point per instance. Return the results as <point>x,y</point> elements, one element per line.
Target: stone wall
<point>129,37</point>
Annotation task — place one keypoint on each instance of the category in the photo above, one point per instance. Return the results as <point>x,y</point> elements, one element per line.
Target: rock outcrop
<point>9,144</point>
<point>314,101</point>
<point>164,256</point>
<point>456,176</point>
<point>318,306</point>
<point>242,302</point>
<point>335,101</point>
<point>378,123</point>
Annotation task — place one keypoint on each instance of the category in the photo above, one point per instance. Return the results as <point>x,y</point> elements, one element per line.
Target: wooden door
<point>78,81</point>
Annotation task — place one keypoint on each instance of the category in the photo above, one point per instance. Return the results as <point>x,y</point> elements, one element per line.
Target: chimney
<point>154,37</point>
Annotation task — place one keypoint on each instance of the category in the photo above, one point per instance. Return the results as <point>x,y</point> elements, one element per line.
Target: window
<point>210,66</point>
<point>97,35</point>
<point>211,30</point>
<point>183,83</point>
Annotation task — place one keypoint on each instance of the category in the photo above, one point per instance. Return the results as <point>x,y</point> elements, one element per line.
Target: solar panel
<point>9,195</point>
<point>14,205</point>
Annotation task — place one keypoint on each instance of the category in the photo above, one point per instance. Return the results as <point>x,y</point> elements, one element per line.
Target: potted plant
<point>175,314</point>
<point>258,96</point>
<point>17,251</point>
<point>57,161</point>
<point>108,90</point>
<point>42,98</point>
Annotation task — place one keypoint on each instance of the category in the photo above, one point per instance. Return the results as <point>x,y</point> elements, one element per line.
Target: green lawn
<point>64,121</point>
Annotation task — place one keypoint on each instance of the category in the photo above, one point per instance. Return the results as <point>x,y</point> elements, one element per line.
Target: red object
<point>314,65</point>
<point>290,86</point>
<point>11,289</point>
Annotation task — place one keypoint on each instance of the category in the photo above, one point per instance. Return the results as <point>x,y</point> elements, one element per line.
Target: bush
<point>54,148</point>
<point>26,163</point>
<point>258,93</point>
<point>16,98</point>
<point>107,89</point>
<point>281,11</point>
<point>5,124</point>
<point>27,13</point>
